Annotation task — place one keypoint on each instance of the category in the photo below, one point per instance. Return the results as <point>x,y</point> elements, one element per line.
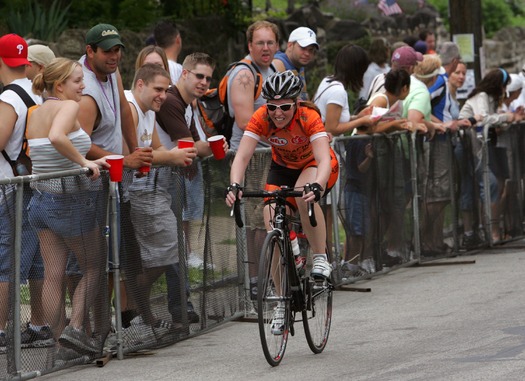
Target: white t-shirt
<point>175,71</point>
<point>332,93</point>
<point>14,144</point>
<point>370,73</point>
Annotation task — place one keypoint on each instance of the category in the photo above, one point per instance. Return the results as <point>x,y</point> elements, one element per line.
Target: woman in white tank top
<point>63,210</point>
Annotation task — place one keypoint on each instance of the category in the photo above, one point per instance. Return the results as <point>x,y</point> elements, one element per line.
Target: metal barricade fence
<point>184,267</point>
<point>375,198</point>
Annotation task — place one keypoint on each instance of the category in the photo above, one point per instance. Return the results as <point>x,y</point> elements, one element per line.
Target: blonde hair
<point>56,72</point>
<point>427,69</point>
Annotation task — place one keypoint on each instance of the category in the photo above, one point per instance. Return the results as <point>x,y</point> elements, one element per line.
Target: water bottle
<point>299,261</point>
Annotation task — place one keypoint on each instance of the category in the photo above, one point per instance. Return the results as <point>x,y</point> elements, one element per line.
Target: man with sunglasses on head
<point>175,117</point>
<point>300,51</point>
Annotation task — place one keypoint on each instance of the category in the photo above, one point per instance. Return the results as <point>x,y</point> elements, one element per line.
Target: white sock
<point>320,256</point>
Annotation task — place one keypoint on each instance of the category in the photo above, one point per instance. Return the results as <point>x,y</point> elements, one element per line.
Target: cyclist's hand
<point>233,192</point>
<point>313,192</point>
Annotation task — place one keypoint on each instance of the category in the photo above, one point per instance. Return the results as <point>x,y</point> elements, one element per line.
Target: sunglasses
<point>284,107</point>
<point>201,76</point>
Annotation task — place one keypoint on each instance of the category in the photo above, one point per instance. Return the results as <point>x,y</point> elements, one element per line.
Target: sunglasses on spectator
<point>200,76</point>
<point>284,107</point>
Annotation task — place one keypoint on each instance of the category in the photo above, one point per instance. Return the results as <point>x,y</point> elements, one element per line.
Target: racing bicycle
<point>279,281</point>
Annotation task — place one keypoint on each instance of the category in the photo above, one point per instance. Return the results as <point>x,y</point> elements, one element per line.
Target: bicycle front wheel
<point>272,289</point>
<point>317,318</point>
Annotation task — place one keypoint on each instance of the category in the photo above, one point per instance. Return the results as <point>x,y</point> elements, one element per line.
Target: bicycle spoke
<point>318,318</point>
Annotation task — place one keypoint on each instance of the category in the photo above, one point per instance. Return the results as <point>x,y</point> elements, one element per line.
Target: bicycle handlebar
<point>283,192</point>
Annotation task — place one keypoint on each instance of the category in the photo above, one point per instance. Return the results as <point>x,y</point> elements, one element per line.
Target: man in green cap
<point>104,112</point>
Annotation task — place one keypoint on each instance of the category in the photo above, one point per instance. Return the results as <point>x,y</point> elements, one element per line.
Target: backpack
<point>22,165</point>
<point>213,109</point>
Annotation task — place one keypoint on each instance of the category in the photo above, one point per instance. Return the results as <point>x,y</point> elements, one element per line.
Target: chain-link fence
<point>184,267</point>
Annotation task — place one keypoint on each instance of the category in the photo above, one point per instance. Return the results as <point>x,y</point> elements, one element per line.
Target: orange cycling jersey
<point>291,146</point>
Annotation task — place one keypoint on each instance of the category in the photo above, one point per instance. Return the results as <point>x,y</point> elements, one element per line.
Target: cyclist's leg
<point>316,235</point>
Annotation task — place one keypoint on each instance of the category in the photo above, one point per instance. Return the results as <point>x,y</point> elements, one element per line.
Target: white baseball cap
<point>516,83</point>
<point>303,36</point>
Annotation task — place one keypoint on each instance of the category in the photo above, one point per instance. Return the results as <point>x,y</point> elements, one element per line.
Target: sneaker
<point>195,261</point>
<point>470,242</point>
<point>278,319</point>
<point>78,340</point>
<point>392,258</point>
<point>368,265</point>
<point>162,328</point>
<point>321,268</point>
<point>137,320</point>
<point>66,355</point>
<point>136,334</point>
<point>37,339</point>
<point>193,317</point>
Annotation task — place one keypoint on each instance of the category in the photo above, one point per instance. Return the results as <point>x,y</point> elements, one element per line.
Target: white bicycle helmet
<point>282,85</point>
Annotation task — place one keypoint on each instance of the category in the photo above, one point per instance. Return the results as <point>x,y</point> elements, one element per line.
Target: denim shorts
<point>31,264</point>
<point>67,215</point>
<point>357,212</point>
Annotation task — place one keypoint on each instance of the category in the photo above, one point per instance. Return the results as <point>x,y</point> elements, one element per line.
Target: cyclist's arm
<point>321,149</point>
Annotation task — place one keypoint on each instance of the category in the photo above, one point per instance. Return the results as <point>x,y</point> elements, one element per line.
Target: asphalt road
<point>459,321</point>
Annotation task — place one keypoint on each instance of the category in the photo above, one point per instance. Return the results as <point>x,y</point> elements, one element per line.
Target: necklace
<point>112,106</point>
<point>53,98</point>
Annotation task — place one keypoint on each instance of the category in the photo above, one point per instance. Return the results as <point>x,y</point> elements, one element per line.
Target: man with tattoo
<point>263,42</point>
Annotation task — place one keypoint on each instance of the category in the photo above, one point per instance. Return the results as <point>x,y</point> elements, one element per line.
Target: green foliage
<point>137,14</point>
<point>497,14</point>
<point>30,19</point>
<point>85,14</point>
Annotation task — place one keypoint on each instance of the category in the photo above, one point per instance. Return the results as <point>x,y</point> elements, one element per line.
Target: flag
<point>389,7</point>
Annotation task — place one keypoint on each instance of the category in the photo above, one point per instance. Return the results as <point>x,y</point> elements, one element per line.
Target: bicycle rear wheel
<point>317,318</point>
<point>272,285</point>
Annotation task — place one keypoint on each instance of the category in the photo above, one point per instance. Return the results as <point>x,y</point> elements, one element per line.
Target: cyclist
<point>301,154</point>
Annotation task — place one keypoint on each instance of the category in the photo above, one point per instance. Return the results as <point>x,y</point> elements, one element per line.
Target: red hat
<point>406,56</point>
<point>13,50</point>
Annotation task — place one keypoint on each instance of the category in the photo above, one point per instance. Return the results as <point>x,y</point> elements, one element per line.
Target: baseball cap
<point>13,50</point>
<point>40,54</point>
<point>516,83</point>
<point>421,47</point>
<point>303,36</point>
<point>406,56</point>
<point>105,36</point>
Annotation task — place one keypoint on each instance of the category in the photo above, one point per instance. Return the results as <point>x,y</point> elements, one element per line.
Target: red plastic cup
<point>185,143</point>
<point>146,168</point>
<point>217,146</point>
<point>117,167</point>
